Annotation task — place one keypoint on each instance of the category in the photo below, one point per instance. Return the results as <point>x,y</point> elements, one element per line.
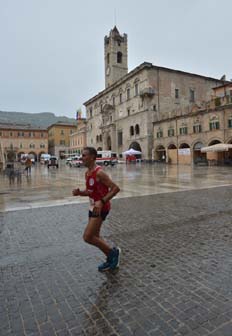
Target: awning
<point>131,152</point>
<point>217,148</point>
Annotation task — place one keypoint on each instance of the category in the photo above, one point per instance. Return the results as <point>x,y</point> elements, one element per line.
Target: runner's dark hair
<point>92,151</point>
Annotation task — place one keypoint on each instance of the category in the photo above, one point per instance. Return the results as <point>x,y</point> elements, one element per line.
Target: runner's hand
<point>76,192</point>
<point>97,208</point>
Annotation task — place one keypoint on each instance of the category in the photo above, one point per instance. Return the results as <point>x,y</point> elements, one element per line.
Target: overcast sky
<point>52,51</point>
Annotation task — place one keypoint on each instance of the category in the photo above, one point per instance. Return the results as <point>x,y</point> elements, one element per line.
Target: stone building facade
<point>78,138</point>
<point>59,138</point>
<point>179,138</point>
<point>16,140</point>
<point>122,115</point>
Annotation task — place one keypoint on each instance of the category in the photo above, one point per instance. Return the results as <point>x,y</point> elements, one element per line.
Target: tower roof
<point>115,35</point>
<point>115,31</point>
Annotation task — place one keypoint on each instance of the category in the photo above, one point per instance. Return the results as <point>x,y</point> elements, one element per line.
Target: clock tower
<point>115,57</point>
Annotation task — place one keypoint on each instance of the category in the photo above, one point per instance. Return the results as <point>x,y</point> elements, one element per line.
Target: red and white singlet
<point>97,189</point>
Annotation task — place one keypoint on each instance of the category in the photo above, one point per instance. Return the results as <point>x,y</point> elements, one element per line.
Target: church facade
<point>122,115</point>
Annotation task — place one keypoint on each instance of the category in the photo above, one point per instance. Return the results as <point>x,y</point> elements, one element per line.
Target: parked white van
<point>107,158</point>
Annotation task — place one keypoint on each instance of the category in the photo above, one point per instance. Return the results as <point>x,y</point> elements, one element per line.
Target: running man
<point>100,189</point>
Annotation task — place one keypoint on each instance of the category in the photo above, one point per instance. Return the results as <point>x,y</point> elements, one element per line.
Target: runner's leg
<point>91,235</point>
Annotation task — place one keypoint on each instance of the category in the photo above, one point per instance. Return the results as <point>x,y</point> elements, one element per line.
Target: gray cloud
<point>52,50</point>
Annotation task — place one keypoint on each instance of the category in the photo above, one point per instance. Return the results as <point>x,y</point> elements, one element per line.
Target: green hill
<point>43,119</point>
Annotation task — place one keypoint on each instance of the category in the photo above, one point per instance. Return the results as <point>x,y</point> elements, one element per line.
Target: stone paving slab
<point>174,279</point>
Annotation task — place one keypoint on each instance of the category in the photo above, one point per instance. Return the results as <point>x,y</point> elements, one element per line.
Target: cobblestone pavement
<point>174,278</point>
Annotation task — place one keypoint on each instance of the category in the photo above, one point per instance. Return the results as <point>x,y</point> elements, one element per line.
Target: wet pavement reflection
<point>45,187</point>
<point>176,264</point>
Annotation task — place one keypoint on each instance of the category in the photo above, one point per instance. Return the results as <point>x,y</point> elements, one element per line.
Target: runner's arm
<point>106,180</point>
<point>113,190</point>
<point>78,192</point>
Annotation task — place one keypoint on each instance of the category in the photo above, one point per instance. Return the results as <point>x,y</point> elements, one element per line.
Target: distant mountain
<point>43,119</point>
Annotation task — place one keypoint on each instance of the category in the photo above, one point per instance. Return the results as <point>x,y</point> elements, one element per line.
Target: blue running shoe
<point>115,260</point>
<point>105,266</point>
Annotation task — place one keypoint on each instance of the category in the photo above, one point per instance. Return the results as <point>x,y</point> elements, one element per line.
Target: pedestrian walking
<point>100,189</point>
<point>28,164</point>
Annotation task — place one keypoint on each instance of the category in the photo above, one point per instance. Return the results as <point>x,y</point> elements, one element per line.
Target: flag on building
<point>78,114</point>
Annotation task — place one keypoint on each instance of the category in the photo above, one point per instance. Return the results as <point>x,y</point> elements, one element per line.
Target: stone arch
<point>172,153</point>
<point>172,146</point>
<point>160,153</point>
<point>214,142</point>
<point>159,147</point>
<point>198,156</point>
<point>184,154</point>
<point>184,145</point>
<point>136,146</point>
<point>197,145</point>
<point>107,108</point>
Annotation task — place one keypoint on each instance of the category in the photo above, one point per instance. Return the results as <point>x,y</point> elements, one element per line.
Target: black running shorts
<point>103,214</point>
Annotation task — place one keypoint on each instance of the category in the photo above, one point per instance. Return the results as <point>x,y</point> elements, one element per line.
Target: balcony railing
<point>147,92</point>
<point>221,101</point>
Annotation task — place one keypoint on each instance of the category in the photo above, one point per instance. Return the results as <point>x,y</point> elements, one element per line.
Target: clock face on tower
<point>108,71</point>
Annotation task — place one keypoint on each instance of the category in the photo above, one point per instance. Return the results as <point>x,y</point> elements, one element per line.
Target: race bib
<point>91,204</point>
<point>91,181</point>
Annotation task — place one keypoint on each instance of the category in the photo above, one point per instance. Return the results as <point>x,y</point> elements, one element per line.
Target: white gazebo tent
<point>131,152</point>
<point>220,147</point>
